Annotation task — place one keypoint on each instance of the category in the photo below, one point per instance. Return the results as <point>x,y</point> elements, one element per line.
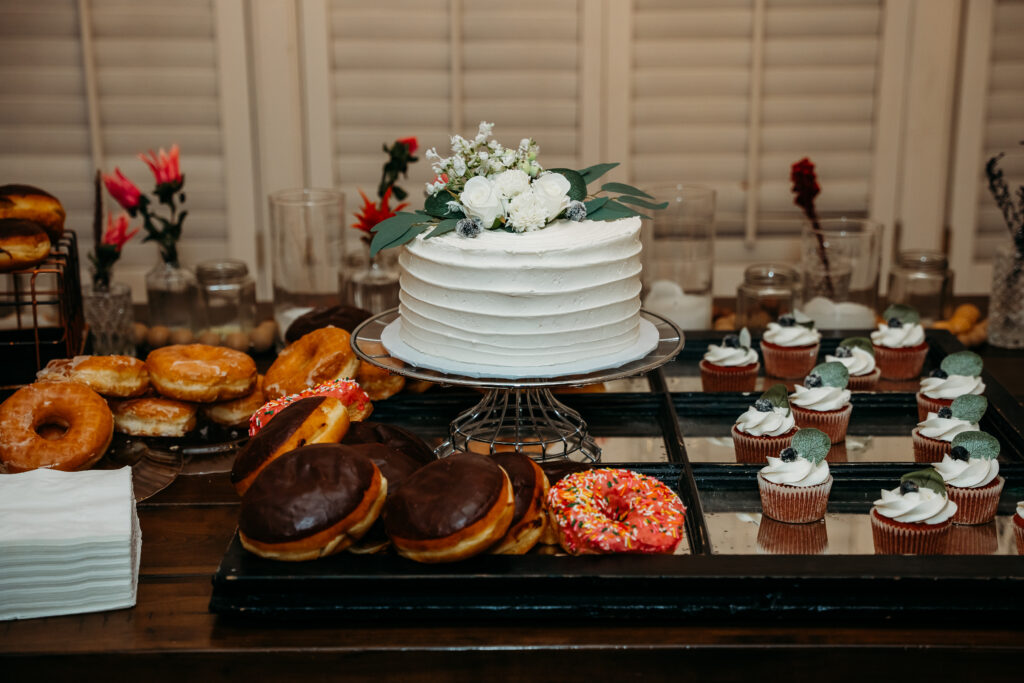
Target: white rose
<point>511,183</point>
<point>481,201</point>
<point>553,191</point>
<point>527,211</point>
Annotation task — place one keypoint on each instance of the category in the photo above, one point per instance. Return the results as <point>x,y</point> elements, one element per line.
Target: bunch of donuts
<point>31,222</point>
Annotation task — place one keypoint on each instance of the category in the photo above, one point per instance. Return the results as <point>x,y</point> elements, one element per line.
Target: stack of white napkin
<point>69,542</point>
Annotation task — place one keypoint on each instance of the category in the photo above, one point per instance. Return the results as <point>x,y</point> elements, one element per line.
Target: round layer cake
<point>569,293</point>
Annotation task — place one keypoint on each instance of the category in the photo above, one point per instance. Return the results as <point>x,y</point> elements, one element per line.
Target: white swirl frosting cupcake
<point>823,401</point>
<point>777,422</point>
<point>971,473</point>
<point>731,365</point>
<point>899,343</point>
<point>933,435</point>
<point>790,346</point>
<point>915,517</point>
<point>820,398</point>
<point>958,375</point>
<point>764,428</point>
<point>794,486</point>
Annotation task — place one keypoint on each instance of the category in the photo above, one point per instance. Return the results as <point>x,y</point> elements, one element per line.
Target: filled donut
<point>345,390</point>
<point>153,416</point>
<point>530,490</point>
<point>311,502</point>
<point>342,316</point>
<point>451,509</point>
<point>239,411</point>
<point>392,436</point>
<point>110,376</point>
<point>23,244</point>
<point>320,356</point>
<point>76,420</point>
<point>201,373</point>
<point>32,204</point>
<point>396,468</point>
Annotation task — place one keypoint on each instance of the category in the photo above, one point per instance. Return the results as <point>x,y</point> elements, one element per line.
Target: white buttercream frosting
<point>923,506</point>
<point>967,474</point>
<point>569,292</point>
<point>860,363</point>
<point>799,472</point>
<point>820,398</point>
<point>730,357</point>
<point>910,334</point>
<point>952,386</point>
<point>776,423</point>
<point>794,335</point>
<point>944,428</point>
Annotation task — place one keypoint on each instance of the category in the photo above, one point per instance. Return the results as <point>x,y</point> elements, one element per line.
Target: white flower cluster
<point>499,186</point>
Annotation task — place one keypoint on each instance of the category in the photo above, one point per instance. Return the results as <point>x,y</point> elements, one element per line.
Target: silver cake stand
<point>517,414</point>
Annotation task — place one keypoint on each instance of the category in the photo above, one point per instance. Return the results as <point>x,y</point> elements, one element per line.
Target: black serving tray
<point>699,583</point>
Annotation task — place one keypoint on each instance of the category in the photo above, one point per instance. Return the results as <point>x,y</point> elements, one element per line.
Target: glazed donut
<point>616,511</point>
<point>530,490</point>
<point>318,419</point>
<point>32,204</point>
<point>451,509</point>
<point>396,468</point>
<point>75,409</point>
<point>236,412</point>
<point>377,382</point>
<point>343,317</point>
<point>318,357</point>
<point>345,390</point>
<point>153,416</point>
<point>556,470</point>
<point>110,376</point>
<point>201,373</point>
<point>392,436</point>
<point>311,502</point>
<point>23,244</point>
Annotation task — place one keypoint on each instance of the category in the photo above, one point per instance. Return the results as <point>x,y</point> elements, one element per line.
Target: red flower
<point>371,214</point>
<point>805,186</point>
<point>164,165</point>
<point>411,143</point>
<point>116,234</point>
<point>122,190</point>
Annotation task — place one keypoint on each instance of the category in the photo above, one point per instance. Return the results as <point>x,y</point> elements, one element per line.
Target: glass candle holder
<point>768,291</point>
<point>841,259</point>
<point>228,296</point>
<point>922,279</point>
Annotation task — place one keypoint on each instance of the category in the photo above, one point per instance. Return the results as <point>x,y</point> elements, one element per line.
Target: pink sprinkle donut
<point>345,390</point>
<point>615,511</point>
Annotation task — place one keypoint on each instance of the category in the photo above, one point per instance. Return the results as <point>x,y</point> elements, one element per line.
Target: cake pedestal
<point>519,414</point>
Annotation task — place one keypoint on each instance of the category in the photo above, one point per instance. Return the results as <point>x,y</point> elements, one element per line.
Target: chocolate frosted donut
<point>529,490</point>
<point>392,436</point>
<point>396,468</point>
<point>311,502</point>
<point>450,509</point>
<point>341,316</point>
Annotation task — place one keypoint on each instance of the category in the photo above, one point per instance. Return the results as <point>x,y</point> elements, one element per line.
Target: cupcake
<point>971,473</point>
<point>780,538</point>
<point>959,374</point>
<point>795,485</point>
<point>899,343</point>
<point>790,346</point>
<point>765,428</point>
<point>732,366</point>
<point>932,436</point>
<point>913,518</point>
<point>858,355</point>
<point>1018,527</point>
<point>823,401</point>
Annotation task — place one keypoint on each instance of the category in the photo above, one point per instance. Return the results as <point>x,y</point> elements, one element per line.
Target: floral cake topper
<point>486,186</point>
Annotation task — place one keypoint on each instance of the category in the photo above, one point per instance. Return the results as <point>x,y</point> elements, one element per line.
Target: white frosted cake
<point>567,295</point>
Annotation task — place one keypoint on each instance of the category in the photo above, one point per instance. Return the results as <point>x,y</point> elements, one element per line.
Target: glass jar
<point>1006,304</point>
<point>768,291</point>
<point>108,313</point>
<point>228,296</point>
<point>171,296</point>
<point>922,279</point>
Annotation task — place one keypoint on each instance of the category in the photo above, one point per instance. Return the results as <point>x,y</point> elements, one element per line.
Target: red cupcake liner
<point>980,539</point>
<point>926,404</point>
<point>927,449</point>
<point>724,378</point>
<point>794,504</point>
<point>864,382</point>
<point>781,538</point>
<point>1018,528</point>
<point>832,422</point>
<point>976,505</point>
<point>902,363</point>
<point>756,449</point>
<point>900,538</point>
<point>789,361</point>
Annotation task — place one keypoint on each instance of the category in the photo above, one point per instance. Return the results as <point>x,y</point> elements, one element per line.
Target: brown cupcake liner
<point>927,449</point>
<point>832,422</point>
<point>756,449</point>
<point>897,538</point>
<point>980,539</point>
<point>927,405</point>
<point>864,382</point>
<point>903,363</point>
<point>789,361</point>
<point>794,504</point>
<point>1018,529</point>
<point>976,505</point>
<point>715,378</point>
<point>781,538</point>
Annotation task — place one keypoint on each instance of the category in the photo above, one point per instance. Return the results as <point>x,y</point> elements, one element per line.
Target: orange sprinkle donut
<point>615,511</point>
<point>201,373</point>
<point>355,400</point>
<point>318,357</point>
<point>111,376</point>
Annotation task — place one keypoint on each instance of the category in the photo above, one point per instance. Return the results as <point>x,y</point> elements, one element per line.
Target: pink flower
<point>122,189</point>
<point>117,233</point>
<point>164,165</point>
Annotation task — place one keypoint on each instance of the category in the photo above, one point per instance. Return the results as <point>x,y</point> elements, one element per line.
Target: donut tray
<point>736,561</point>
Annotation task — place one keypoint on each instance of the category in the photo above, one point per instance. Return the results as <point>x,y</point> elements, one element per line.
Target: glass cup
<point>678,255</point>
<point>308,243</point>
<point>922,279</point>
<point>228,294</point>
<point>840,262</point>
<point>108,313</point>
<point>768,291</point>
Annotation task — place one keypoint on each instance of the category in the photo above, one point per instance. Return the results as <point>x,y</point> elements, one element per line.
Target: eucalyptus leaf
<point>862,343</point>
<point>623,188</point>
<point>905,314</point>
<point>778,396</point>
<point>978,444</point>
<point>437,205</point>
<point>745,340</point>
<point>406,236</point>
<point>612,211</point>
<point>925,479</point>
<point>962,363</point>
<point>577,185</point>
<point>592,173</point>
<point>595,204</point>
<point>444,227</point>
<point>811,444</point>
<point>833,374</point>
<point>643,202</point>
<point>970,407</point>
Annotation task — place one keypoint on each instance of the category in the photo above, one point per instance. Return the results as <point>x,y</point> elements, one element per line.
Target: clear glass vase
<point>108,313</point>
<point>1006,304</point>
<point>374,287</point>
<point>172,295</point>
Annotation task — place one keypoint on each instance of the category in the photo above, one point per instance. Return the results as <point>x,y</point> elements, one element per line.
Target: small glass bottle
<point>922,279</point>
<point>228,295</point>
<point>768,290</point>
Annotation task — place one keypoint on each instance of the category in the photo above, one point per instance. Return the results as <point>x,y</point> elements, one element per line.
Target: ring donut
<point>153,416</point>
<point>239,411</point>
<point>23,244</point>
<point>82,427</point>
<point>320,356</point>
<point>110,376</point>
<point>201,373</point>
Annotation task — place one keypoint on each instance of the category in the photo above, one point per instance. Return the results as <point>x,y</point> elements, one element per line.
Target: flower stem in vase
<point>805,189</point>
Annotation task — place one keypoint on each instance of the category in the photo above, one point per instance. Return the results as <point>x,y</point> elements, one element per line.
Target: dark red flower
<point>411,143</point>
<point>371,213</point>
<point>805,186</point>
